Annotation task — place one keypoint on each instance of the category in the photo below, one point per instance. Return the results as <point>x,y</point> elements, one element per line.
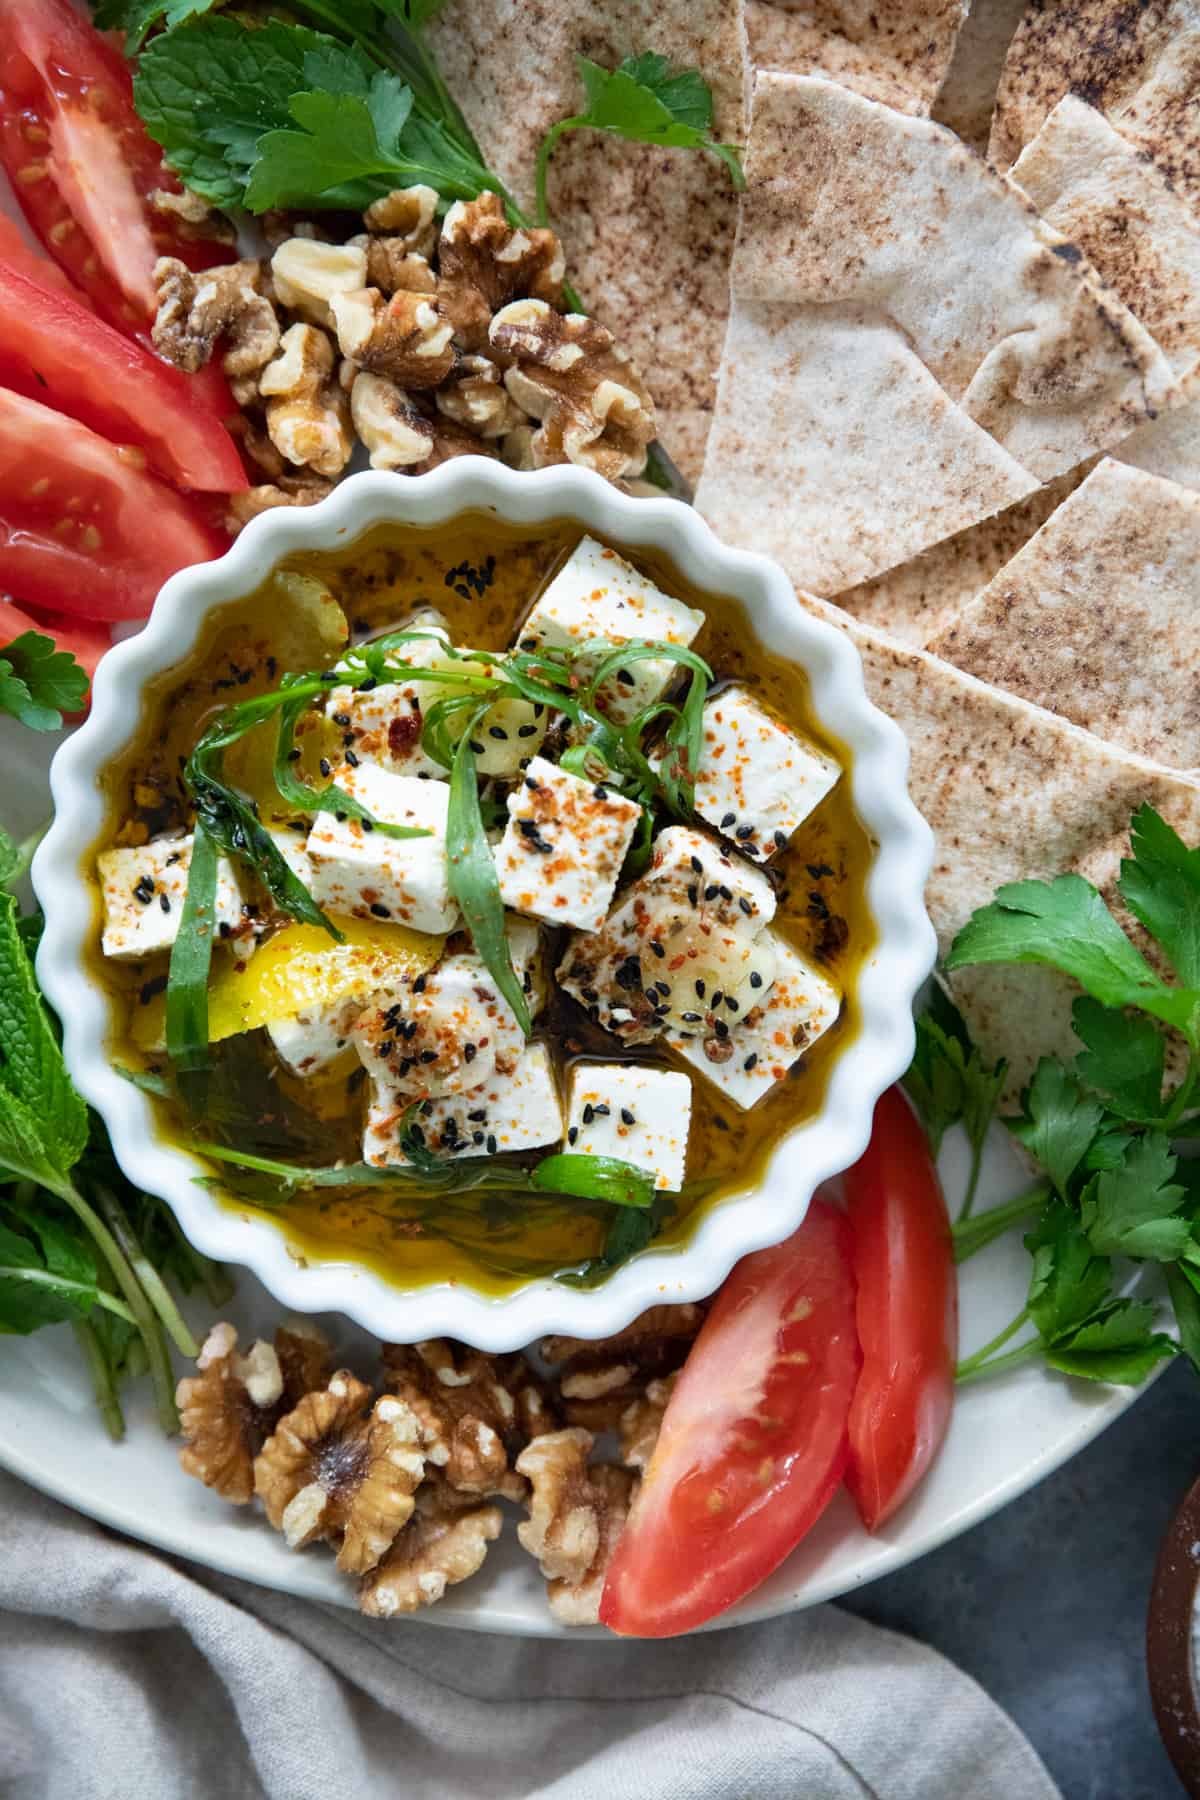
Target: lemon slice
<point>298,969</point>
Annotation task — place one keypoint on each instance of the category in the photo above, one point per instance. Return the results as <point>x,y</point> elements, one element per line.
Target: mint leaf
<point>1064,924</point>
<point>1160,885</point>
<point>10,858</point>
<point>36,680</point>
<point>135,17</point>
<point>32,1293</point>
<point>1059,1122</point>
<point>1117,1345</point>
<point>32,1072</point>
<point>1132,1211</point>
<point>1124,1058</point>
<point>23,1151</point>
<point>1068,1281</point>
<point>209,90</point>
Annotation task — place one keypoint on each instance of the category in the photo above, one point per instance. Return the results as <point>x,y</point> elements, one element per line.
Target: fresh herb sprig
<point>39,682</point>
<point>1106,1129</point>
<point>646,101</point>
<point>76,1244</point>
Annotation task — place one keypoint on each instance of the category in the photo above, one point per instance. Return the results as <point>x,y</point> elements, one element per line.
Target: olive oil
<point>482,575</point>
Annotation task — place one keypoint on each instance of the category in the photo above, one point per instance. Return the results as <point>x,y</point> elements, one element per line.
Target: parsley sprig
<point>76,1244</point>
<point>39,682</point>
<point>1106,1129</point>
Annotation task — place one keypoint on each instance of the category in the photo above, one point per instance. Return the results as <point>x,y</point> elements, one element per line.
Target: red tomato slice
<point>82,529</point>
<point>753,1445</point>
<point>52,348</point>
<point>907,1312</point>
<point>17,253</point>
<point>80,161</point>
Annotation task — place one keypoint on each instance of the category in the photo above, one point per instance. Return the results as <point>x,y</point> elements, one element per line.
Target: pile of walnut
<point>427,344</point>
<point>400,1478</point>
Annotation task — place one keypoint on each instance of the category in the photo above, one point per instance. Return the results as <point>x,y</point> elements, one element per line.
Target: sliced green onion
<point>472,876</point>
<point>296,793</point>
<point>191,956</point>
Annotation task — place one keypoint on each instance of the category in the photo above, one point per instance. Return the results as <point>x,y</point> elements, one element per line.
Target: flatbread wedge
<point>648,232</point>
<point>1098,616</point>
<point>1012,793</point>
<point>896,51</point>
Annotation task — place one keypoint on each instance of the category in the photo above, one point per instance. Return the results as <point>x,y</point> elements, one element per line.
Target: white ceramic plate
<point>1005,1435</point>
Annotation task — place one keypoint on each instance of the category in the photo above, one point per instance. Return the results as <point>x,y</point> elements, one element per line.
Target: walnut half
<point>576,1515</point>
<point>232,1403</point>
<point>443,1543</point>
<point>600,1379</point>
<point>477,1410</point>
<point>483,262</point>
<point>566,371</point>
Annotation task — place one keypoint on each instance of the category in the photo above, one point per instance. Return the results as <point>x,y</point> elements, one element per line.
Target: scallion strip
<point>595,1178</point>
<point>472,876</point>
<point>297,794</point>
<point>191,956</point>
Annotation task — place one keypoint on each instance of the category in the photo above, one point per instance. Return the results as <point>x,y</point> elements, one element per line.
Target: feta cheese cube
<point>746,1060</point>
<point>563,847</point>
<point>597,594</point>
<point>293,847</point>
<point>445,1032</point>
<point>368,874</point>
<point>519,1110</point>
<point>638,1114</point>
<point>758,780</point>
<point>385,723</point>
<point>695,915</point>
<point>315,1039</point>
<point>143,890</point>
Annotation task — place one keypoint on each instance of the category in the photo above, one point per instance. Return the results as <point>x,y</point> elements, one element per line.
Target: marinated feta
<point>696,915</point>
<point>442,1033</point>
<point>519,1110</point>
<point>315,1039</point>
<point>746,1055</point>
<point>638,1114</point>
<point>562,850</point>
<point>367,874</point>
<point>384,724</point>
<point>758,780</point>
<point>597,594</point>
<point>143,891</point>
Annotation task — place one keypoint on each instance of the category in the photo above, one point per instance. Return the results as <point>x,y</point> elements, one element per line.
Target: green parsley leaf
<point>136,17</point>
<point>1132,1211</point>
<point>347,149</point>
<point>1064,924</point>
<point>947,1079</point>
<point>645,101</point>
<point>1117,1345</point>
<point>1068,1282</point>
<point>1059,1122</point>
<point>1124,1057</point>
<point>38,682</point>
<point>33,1076</point>
<point>1160,885</point>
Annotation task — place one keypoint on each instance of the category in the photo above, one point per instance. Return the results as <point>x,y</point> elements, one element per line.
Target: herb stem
<point>1012,1360</point>
<point>964,1211</point>
<point>975,1361</point>
<point>135,1297</point>
<point>975,1233</point>
<point>152,1282</point>
<point>103,1386</point>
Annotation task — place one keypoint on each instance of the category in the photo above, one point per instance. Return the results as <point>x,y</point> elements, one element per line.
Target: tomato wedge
<point>17,253</point>
<point>53,349</point>
<point>82,530</point>
<point>80,161</point>
<point>753,1445</point>
<point>907,1312</point>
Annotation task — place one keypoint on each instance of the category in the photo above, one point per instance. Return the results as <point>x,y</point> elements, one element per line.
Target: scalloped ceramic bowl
<point>818,1148</point>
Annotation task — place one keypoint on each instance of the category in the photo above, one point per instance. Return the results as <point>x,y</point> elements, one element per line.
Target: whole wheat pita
<point>1090,183</point>
<point>648,232</point>
<point>1098,616</point>
<point>1013,793</point>
<point>1138,61</point>
<point>1169,446</point>
<point>896,51</point>
<point>918,599</point>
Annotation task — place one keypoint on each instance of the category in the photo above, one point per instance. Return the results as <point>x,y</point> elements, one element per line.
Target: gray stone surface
<point>1045,1604</point>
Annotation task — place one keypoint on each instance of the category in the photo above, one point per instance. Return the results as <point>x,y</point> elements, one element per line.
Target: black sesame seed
<point>524,762</point>
<point>342,719</point>
<point>477,1137</point>
<point>429,1056</point>
<point>627,1117</point>
<point>725,893</point>
<point>731,1003</point>
<point>532,785</point>
<point>419,985</point>
<point>294,755</point>
<point>697,865</point>
<point>365,687</point>
<point>664,988</point>
<point>380,910</point>
<point>172,859</point>
<point>657,948</point>
<point>469,1053</point>
<point>691,1018</point>
<point>573,1134</point>
<point>492,1145</point>
<point>529,643</point>
<point>475,746</point>
<point>711,891</point>
<point>629,974</point>
<point>590,995</point>
<point>602,1110</point>
<point>386,1048</point>
<point>693,893</point>
<point>721,1028</point>
<point>416,1134</point>
<point>700,985</point>
<point>367,824</point>
<point>144,891</point>
<point>750,1060</point>
<point>479,1116</point>
<point>340,817</point>
<point>351,759</point>
<point>149,990</point>
<point>526,731</point>
<point>498,732</point>
<point>717,998</point>
<point>780,839</point>
<point>747,906</point>
<point>600,791</point>
<point>589,1113</point>
<point>756,979</point>
<point>164,901</point>
<point>728,820</point>
<point>744,831</point>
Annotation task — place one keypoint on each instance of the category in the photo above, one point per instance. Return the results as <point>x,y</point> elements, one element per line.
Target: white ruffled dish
<point>808,1155</point>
